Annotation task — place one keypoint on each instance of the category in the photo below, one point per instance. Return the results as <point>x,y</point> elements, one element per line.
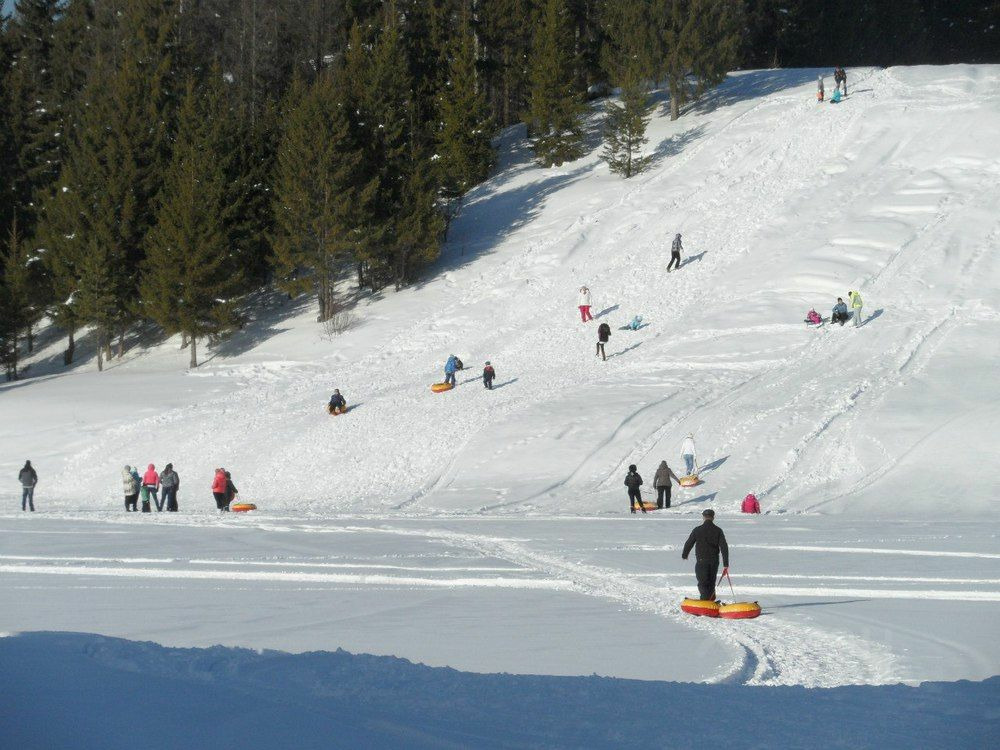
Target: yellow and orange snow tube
<point>700,607</point>
<point>441,387</point>
<point>739,611</point>
<point>689,481</point>
<point>243,507</point>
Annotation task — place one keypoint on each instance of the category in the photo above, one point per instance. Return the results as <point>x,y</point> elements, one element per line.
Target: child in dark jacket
<point>488,374</point>
<point>633,481</point>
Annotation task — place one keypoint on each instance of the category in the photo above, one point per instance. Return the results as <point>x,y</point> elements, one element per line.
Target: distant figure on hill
<point>28,479</point>
<point>856,305</point>
<point>840,78</point>
<point>689,454</point>
<point>170,482</point>
<point>151,481</point>
<point>633,481</point>
<point>661,481</point>
<point>708,541</point>
<point>449,369</point>
<point>338,404</point>
<point>750,504</point>
<point>488,375</point>
<point>839,312</point>
<point>584,304</point>
<point>603,334</point>
<point>219,490</point>
<point>130,484</point>
<point>675,252</point>
<point>820,93</point>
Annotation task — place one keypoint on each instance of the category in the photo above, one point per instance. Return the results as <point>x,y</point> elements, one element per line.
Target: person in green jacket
<point>856,304</point>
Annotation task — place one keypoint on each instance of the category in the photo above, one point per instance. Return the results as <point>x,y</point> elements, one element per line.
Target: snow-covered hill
<point>784,204</point>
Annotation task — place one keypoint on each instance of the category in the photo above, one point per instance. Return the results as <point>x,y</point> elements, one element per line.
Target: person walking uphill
<point>633,481</point>
<point>130,484</point>
<point>840,78</point>
<point>170,483</point>
<point>28,478</point>
<point>709,542</point>
<point>219,490</point>
<point>661,481</point>
<point>585,304</point>
<point>689,454</point>
<point>488,375</point>
<point>675,252</point>
<point>603,334</point>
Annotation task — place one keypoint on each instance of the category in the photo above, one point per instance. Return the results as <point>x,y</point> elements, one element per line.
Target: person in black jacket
<point>338,404</point>
<point>633,481</point>
<point>603,334</point>
<point>488,375</point>
<point>28,478</point>
<point>708,541</point>
<point>840,78</point>
<point>231,491</point>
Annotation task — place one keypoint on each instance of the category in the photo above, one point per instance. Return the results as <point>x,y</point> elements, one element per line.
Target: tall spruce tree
<point>20,306</point>
<point>698,43</point>
<point>626,55</point>
<point>191,273</point>
<point>555,109</point>
<point>465,153</point>
<point>316,191</point>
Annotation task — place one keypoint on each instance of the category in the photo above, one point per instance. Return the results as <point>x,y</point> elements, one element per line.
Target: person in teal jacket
<point>856,304</point>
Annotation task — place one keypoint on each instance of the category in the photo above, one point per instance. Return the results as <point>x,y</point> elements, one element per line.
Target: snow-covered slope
<point>784,204</point>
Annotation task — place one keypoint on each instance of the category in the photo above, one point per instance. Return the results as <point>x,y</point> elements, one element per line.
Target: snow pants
<point>488,382</point>
<point>220,500</point>
<point>706,571</point>
<point>857,317</point>
<point>663,497</point>
<point>600,350</point>
<point>449,377</point>
<point>156,499</point>
<point>585,313</point>
<point>131,502</point>
<point>839,318</point>
<point>635,499</point>
<point>674,258</point>
<point>27,498</point>
<point>170,498</point>
<point>689,462</point>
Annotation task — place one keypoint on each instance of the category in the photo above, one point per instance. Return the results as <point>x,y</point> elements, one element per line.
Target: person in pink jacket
<point>151,481</point>
<point>219,490</point>
<point>750,504</point>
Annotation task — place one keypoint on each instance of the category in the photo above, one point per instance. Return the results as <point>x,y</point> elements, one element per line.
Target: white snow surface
<point>488,530</point>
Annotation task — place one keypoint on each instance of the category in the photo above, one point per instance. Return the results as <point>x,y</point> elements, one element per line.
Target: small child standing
<point>488,374</point>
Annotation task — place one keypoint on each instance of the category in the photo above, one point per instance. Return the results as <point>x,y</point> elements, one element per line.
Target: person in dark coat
<point>130,484</point>
<point>633,481</point>
<point>28,479</point>
<point>661,481</point>
<point>675,252</point>
<point>338,404</point>
<point>170,482</point>
<point>603,334</point>
<point>231,491</point>
<point>708,542</point>
<point>840,78</point>
<point>488,375</point>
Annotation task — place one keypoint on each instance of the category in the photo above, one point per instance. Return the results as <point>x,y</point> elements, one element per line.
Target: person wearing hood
<point>661,481</point>
<point>170,482</point>
<point>709,542</point>
<point>689,454</point>
<point>231,491</point>
<point>130,484</point>
<point>633,481</point>
<point>840,78</point>
<point>28,479</point>
<point>675,252</point>
<point>585,304</point>
<point>856,305</point>
<point>449,369</point>
<point>338,404</point>
<point>219,490</point>
<point>151,481</point>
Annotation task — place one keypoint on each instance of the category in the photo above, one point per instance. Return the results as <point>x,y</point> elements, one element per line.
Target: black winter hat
<point>708,513</point>
<point>631,467</point>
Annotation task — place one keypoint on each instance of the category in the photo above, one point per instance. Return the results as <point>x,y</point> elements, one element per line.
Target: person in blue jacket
<point>449,369</point>
<point>840,312</point>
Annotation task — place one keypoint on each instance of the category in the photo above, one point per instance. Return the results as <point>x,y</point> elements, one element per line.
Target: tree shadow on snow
<point>676,143</point>
<point>752,85</point>
<point>265,310</point>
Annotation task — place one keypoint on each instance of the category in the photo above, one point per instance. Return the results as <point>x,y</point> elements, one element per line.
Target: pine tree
<point>315,191</point>
<point>505,50</point>
<point>418,230</point>
<point>20,306</point>
<point>555,109</point>
<point>190,274</point>
<point>465,153</point>
<point>698,41</point>
<point>625,131</point>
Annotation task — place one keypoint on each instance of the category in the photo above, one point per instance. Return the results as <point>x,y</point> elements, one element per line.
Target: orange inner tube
<point>243,507</point>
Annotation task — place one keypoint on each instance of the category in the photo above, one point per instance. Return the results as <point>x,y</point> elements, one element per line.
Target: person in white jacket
<point>585,304</point>
<point>689,454</point>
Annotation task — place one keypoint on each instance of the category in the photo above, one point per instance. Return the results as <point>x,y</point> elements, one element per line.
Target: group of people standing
<point>149,486</point>
<point>839,79</point>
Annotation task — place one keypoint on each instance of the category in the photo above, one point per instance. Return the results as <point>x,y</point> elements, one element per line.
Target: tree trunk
<point>70,349</point>
<point>31,338</point>
<point>121,343</point>
<point>675,99</point>
<point>100,351</point>
<point>194,351</point>
<point>184,339</point>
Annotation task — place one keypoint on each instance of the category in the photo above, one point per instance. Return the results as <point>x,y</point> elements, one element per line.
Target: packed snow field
<point>488,530</point>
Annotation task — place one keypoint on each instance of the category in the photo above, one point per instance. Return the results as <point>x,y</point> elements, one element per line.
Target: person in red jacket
<point>219,490</point>
<point>151,481</point>
<point>750,504</point>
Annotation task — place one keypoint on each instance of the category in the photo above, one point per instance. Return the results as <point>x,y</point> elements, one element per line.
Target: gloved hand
<point>725,571</point>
